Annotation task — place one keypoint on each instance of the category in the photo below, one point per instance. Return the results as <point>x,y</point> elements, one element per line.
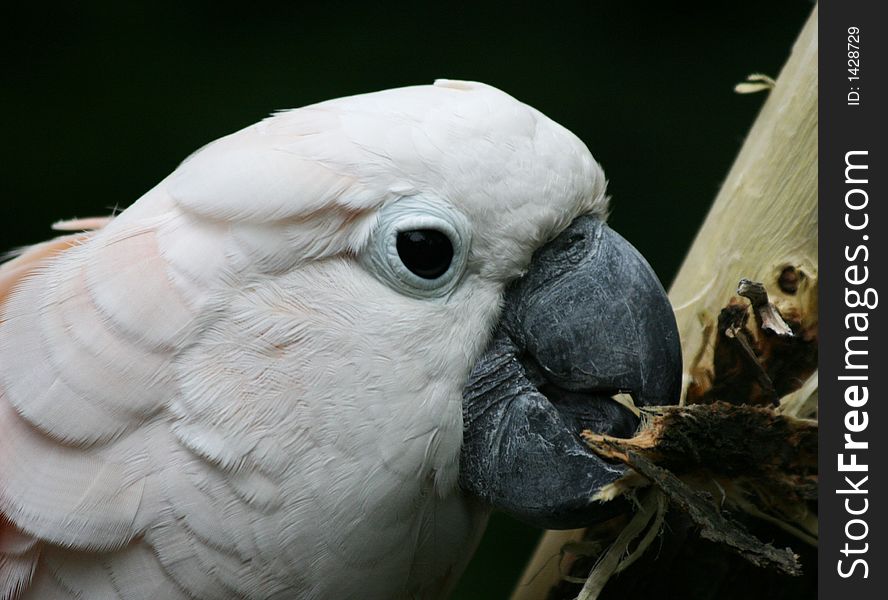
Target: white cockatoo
<point>311,360</point>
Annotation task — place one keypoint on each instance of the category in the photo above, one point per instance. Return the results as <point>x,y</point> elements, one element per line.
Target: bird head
<point>441,257</point>
<point>346,332</point>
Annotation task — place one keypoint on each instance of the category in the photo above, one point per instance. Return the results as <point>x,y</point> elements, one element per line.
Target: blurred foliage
<point>101,100</point>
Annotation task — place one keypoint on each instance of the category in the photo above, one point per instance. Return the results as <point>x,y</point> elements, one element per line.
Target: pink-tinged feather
<point>19,555</point>
<point>12,273</point>
<point>85,224</point>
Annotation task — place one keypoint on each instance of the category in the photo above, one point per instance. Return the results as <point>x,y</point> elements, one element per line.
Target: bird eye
<point>427,253</point>
<point>419,247</point>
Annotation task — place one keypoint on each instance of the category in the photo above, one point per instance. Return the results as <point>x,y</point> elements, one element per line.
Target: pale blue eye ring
<point>410,214</point>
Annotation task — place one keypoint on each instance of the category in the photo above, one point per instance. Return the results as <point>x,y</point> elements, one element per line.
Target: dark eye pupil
<point>426,252</point>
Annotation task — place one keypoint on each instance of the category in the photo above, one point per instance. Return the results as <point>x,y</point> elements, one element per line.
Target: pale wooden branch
<point>762,226</point>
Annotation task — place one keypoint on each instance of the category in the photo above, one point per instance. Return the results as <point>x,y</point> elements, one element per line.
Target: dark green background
<point>101,100</point>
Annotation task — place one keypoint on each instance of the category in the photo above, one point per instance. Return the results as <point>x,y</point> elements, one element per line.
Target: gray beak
<point>588,320</point>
